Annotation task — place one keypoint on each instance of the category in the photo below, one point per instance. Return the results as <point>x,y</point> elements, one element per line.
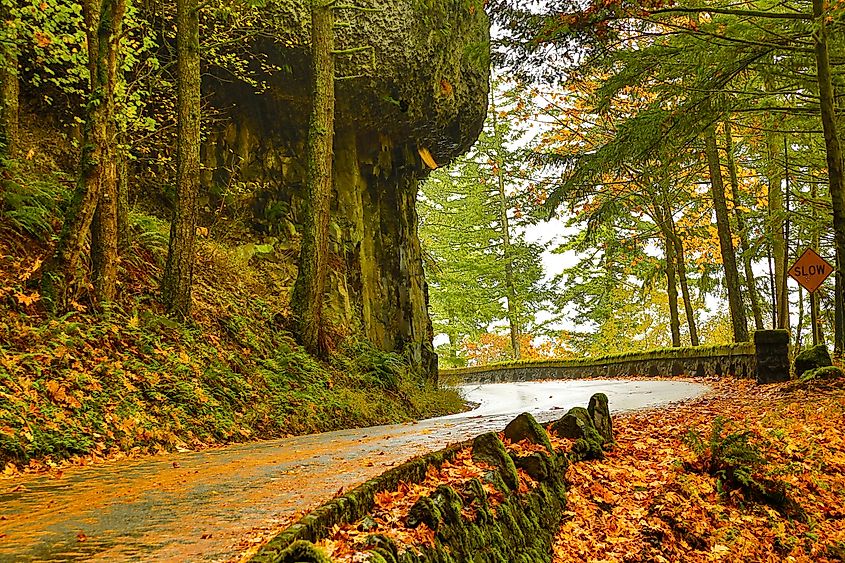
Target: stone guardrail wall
<point>766,360</point>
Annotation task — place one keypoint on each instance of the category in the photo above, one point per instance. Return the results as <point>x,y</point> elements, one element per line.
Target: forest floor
<point>649,501</point>
<point>85,387</point>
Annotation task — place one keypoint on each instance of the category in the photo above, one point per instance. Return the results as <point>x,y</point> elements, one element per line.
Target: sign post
<point>810,270</point>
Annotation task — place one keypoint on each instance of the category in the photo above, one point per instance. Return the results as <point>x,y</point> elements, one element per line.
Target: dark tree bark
<point>177,281</point>
<point>9,93</point>
<point>103,21</point>
<point>834,163</point>
<point>104,255</point>
<point>504,223</point>
<point>308,291</point>
<point>742,231</point>
<point>671,277</point>
<point>680,255</point>
<point>723,226</point>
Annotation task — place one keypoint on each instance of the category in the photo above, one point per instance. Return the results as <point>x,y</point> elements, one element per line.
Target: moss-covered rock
<point>599,411</point>
<point>577,424</point>
<point>572,424</point>
<point>303,552</point>
<point>489,448</point>
<point>525,427</point>
<point>826,372</point>
<point>811,358</point>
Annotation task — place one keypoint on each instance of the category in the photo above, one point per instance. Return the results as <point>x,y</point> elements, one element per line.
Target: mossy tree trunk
<point>723,227</point>
<point>742,231</point>
<point>96,188</point>
<point>663,213</point>
<point>834,161</point>
<point>836,178</point>
<point>177,281</point>
<point>307,297</point>
<point>9,88</point>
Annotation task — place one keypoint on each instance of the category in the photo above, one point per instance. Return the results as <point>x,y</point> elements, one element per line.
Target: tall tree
<point>177,281</point>
<point>307,296</point>
<point>9,83</point>
<point>720,206</point>
<point>833,148</point>
<point>96,188</point>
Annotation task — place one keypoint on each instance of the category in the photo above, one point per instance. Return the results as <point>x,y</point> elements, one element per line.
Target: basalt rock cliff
<point>412,74</point>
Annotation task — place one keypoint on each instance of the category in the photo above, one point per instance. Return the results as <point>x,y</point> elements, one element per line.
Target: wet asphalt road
<point>203,506</point>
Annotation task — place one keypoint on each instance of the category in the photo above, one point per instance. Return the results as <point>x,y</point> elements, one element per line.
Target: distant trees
<point>740,89</point>
<point>473,216</point>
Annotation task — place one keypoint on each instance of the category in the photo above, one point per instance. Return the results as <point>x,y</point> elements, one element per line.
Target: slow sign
<point>810,270</point>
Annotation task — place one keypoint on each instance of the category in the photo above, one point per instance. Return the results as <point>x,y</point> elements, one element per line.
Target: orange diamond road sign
<point>810,270</point>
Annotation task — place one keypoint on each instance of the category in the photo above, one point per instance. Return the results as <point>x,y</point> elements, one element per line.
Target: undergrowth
<point>137,381</point>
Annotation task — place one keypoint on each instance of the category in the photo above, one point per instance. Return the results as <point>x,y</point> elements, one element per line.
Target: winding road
<point>206,506</point>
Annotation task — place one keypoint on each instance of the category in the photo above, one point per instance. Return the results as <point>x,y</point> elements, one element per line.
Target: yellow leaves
<point>427,158</point>
<point>28,299</point>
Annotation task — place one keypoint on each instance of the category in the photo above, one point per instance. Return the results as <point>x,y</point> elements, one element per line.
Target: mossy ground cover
<point>647,500</point>
<point>85,386</point>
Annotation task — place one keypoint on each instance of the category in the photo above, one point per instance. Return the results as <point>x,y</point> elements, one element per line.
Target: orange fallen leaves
<point>640,505</point>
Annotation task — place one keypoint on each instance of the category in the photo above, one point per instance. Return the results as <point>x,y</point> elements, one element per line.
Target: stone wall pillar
<point>772,351</point>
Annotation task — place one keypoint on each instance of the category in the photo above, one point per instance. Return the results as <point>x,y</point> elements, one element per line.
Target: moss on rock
<point>525,427</point>
<point>826,372</point>
<point>490,449</point>
<point>811,358</point>
<point>599,411</point>
<point>303,552</point>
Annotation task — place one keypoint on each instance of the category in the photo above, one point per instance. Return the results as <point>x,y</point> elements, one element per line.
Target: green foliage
<point>31,203</point>
<point>736,460</point>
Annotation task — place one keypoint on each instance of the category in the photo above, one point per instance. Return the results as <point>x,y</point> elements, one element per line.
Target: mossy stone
<point>589,446</point>
<point>536,465</point>
<point>572,425</point>
<point>424,511</point>
<point>811,358</point>
<point>525,427</point>
<point>599,411</point>
<point>826,372</point>
<point>490,449</point>
<point>302,552</point>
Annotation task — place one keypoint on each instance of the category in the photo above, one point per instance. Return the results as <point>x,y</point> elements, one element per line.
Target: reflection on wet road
<point>202,505</point>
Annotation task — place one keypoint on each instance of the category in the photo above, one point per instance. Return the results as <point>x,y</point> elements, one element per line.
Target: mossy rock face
<point>525,427</point>
<point>573,424</point>
<point>826,372</point>
<point>588,447</point>
<point>536,465</point>
<point>490,449</point>
<point>812,358</point>
<point>302,552</point>
<point>599,411</point>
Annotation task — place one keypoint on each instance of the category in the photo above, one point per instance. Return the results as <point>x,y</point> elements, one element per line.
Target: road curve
<point>202,505</point>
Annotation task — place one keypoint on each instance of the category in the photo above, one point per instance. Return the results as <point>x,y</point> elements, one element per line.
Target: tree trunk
<point>672,290</point>
<point>834,162</point>
<point>504,223</point>
<point>102,29</point>
<point>680,255</point>
<point>307,297</point>
<point>177,281</point>
<point>104,256</point>
<point>777,218</point>
<point>123,235</point>
<point>737,309</point>
<point>742,231</point>
<point>9,90</point>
